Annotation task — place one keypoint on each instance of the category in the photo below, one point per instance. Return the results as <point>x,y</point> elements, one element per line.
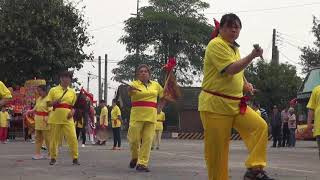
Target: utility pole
<point>275,51</point>
<point>138,17</point>
<point>106,78</point>
<point>99,78</point>
<point>88,83</point>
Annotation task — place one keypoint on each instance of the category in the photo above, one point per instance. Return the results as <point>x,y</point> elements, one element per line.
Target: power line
<point>289,59</point>
<point>294,38</point>
<point>271,9</point>
<point>105,27</point>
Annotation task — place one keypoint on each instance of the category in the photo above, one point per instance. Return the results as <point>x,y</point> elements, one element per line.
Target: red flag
<point>171,88</point>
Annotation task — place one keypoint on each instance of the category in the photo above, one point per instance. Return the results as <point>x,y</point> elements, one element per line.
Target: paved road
<point>177,160</point>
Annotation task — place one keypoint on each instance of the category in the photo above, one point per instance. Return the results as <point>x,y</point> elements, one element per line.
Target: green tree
<point>39,38</point>
<point>277,84</point>
<point>310,57</point>
<point>162,29</point>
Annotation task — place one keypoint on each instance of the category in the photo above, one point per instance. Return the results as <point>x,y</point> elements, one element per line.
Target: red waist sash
<point>63,105</point>
<point>243,100</point>
<point>144,104</point>
<point>38,113</point>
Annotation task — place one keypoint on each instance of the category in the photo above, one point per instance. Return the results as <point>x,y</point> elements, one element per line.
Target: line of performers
<point>54,115</point>
<point>222,106</point>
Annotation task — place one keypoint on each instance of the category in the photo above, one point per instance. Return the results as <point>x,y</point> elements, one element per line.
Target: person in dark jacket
<point>276,126</point>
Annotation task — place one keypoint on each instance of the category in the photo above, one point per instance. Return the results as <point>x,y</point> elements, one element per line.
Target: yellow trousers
<point>217,130</point>
<point>157,138</point>
<point>138,131</point>
<point>57,132</point>
<point>42,135</point>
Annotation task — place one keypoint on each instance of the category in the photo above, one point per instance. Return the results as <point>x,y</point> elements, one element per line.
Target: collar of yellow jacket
<point>140,82</point>
<point>233,45</point>
<point>62,87</point>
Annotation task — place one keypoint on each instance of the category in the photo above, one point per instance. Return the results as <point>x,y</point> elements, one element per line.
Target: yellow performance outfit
<point>220,114</point>
<point>143,119</point>
<point>115,113</point>
<point>314,104</point>
<point>4,91</point>
<point>60,125</point>
<point>116,126</point>
<point>41,123</point>
<point>102,132</point>
<point>159,128</point>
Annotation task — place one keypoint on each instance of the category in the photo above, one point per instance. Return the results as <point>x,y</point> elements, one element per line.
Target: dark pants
<point>285,135</point>
<point>27,136</point>
<point>116,137</point>
<point>276,131</point>
<point>292,137</point>
<point>83,134</point>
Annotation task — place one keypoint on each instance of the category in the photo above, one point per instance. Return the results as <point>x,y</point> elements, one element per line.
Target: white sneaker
<point>83,145</point>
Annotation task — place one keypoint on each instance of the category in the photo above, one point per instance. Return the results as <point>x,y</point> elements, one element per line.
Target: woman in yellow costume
<point>41,113</point>
<point>223,106</point>
<point>62,98</point>
<point>144,94</point>
<point>159,128</point>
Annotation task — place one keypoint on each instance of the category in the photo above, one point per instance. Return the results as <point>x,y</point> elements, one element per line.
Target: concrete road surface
<point>176,160</point>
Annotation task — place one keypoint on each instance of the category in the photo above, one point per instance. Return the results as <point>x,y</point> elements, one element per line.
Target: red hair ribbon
<point>171,64</point>
<point>216,29</point>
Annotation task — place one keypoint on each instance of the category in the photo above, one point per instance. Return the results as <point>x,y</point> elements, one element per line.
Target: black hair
<point>230,19</point>
<point>142,66</point>
<point>114,100</point>
<point>66,74</point>
<point>102,101</point>
<point>43,88</point>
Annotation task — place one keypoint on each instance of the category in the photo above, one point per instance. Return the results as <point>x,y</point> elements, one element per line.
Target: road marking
<point>294,170</point>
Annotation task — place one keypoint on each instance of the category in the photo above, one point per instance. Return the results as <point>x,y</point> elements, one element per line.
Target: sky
<point>291,18</point>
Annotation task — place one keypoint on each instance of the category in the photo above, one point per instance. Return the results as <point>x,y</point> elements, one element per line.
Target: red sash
<point>242,104</point>
<point>41,113</point>
<point>63,105</point>
<point>144,104</point>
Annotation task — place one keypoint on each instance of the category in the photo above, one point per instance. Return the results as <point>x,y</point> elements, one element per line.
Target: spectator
<point>285,128</point>
<point>292,124</point>
<point>276,126</point>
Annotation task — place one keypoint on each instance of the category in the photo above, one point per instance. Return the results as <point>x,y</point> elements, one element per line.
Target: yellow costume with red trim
<point>219,106</point>
<point>143,119</point>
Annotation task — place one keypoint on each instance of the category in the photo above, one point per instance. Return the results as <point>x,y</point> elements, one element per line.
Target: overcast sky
<point>291,18</point>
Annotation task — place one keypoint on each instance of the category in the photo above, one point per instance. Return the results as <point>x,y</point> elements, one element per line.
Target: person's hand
<point>54,103</point>
<point>70,114</point>
<point>256,52</point>
<point>2,102</point>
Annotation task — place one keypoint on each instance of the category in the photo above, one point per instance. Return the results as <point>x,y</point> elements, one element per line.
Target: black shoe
<point>75,162</point>
<point>133,163</point>
<point>256,175</point>
<point>157,148</point>
<point>103,143</point>
<point>152,148</point>
<point>142,168</point>
<point>53,162</point>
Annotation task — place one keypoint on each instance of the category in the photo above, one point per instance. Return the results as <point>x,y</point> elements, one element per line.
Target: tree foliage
<point>39,38</point>
<point>162,29</point>
<point>310,57</point>
<point>277,84</point>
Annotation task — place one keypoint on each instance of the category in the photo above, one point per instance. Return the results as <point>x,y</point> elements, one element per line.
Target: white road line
<point>294,170</point>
